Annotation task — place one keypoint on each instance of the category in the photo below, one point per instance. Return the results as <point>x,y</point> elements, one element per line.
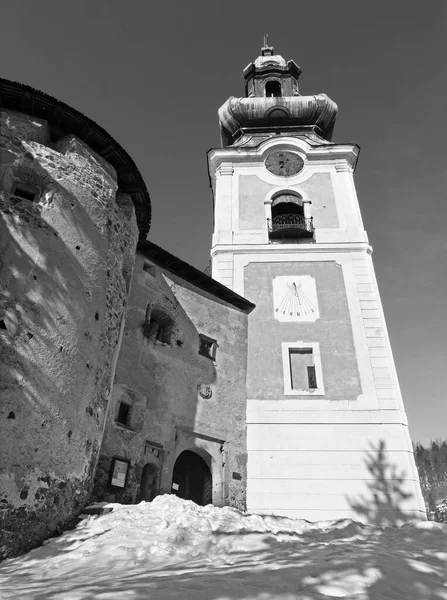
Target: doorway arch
<point>149,482</point>
<point>193,478</point>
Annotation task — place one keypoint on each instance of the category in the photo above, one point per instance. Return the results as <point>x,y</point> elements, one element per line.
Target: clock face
<point>284,163</point>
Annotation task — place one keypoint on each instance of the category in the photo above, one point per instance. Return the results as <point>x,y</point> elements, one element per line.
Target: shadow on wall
<point>159,364</point>
<point>383,505</point>
<point>55,356</point>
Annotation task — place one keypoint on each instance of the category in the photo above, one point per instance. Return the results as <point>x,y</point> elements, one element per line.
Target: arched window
<point>287,204</point>
<point>273,89</point>
<point>288,218</point>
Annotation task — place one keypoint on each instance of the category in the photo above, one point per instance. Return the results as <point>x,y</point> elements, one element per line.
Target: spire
<point>266,50</point>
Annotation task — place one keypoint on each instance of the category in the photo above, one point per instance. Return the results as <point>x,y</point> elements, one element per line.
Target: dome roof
<point>284,112</point>
<point>275,59</point>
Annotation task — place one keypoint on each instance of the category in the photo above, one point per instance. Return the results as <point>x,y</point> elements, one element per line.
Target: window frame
<point>128,415</point>
<point>32,193</point>
<point>210,340</point>
<point>314,347</point>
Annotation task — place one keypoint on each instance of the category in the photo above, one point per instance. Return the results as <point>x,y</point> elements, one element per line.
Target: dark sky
<point>153,74</point>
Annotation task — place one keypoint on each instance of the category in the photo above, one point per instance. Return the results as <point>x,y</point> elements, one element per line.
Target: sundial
<point>295,298</point>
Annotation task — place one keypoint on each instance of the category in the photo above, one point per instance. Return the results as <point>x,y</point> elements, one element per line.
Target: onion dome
<point>273,102</point>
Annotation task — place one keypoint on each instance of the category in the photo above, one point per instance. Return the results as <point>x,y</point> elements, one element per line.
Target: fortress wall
<point>67,246</point>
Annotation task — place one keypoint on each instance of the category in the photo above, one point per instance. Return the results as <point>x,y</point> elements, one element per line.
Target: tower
<point>327,434</point>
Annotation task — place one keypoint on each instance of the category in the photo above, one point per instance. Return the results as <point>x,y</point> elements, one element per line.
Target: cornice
<point>343,156</point>
<point>272,249</point>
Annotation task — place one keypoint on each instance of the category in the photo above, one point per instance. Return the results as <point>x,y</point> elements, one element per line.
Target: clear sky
<point>153,74</point>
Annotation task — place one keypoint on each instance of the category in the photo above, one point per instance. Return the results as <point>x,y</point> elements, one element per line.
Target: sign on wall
<point>118,473</point>
<point>295,298</point>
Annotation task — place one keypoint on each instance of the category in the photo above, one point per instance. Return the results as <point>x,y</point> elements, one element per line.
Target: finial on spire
<point>266,50</point>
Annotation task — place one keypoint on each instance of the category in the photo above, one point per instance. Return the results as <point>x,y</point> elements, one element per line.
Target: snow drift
<point>171,548</point>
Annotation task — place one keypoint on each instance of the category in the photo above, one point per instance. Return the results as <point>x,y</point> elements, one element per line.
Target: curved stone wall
<point>67,247</point>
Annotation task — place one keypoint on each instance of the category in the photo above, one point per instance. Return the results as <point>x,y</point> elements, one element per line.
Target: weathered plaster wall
<point>339,453</point>
<point>66,262</point>
<point>318,189</point>
<point>332,330</point>
<point>252,193</point>
<point>161,383</point>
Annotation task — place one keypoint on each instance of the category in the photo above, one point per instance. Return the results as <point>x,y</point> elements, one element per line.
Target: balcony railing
<point>290,226</point>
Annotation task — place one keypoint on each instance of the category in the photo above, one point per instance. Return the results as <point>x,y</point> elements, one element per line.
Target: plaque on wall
<point>204,390</point>
<point>283,163</point>
<point>295,298</point>
<point>118,472</point>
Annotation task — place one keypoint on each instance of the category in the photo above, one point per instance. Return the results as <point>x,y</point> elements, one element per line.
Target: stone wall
<point>67,244</point>
<point>180,400</point>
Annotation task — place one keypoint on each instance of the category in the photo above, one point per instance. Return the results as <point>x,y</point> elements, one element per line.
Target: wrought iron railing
<point>291,222</point>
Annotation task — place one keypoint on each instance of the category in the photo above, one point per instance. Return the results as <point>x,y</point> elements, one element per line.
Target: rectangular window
<point>149,268</point>
<point>25,191</point>
<point>207,347</point>
<point>301,365</point>
<point>302,369</point>
<point>123,416</point>
<point>312,377</point>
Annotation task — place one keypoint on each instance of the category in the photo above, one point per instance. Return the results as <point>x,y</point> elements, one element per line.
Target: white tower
<point>327,432</point>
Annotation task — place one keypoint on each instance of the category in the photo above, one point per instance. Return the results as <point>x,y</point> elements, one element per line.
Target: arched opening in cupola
<point>288,217</point>
<point>273,89</point>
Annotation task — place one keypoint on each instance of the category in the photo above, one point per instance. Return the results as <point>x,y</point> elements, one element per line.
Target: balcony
<point>291,226</point>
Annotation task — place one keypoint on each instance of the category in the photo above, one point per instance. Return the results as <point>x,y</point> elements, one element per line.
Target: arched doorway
<point>193,478</point>
<point>149,482</point>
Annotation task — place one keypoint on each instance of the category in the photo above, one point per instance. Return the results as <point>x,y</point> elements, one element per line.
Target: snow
<point>172,548</point>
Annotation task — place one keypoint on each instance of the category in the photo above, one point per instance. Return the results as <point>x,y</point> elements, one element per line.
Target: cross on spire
<point>266,50</point>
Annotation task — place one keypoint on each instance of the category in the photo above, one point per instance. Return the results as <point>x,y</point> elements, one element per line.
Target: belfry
<point>326,426</point>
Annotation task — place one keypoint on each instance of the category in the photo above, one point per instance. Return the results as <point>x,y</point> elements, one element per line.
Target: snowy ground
<point>172,548</point>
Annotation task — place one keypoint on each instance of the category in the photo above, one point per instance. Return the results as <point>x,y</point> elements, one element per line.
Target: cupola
<point>270,76</point>
<point>273,105</point>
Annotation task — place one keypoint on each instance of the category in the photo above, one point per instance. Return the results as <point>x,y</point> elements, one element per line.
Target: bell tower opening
<point>273,89</point>
<point>288,218</point>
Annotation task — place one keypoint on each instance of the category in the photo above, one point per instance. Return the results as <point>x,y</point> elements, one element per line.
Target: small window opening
<point>160,327</point>
<point>123,416</point>
<point>312,377</point>
<point>148,268</point>
<point>163,331</point>
<point>302,369</point>
<point>25,191</point>
<point>273,89</point>
<point>207,347</point>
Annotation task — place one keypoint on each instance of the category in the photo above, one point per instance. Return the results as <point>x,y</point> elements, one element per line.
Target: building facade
<point>324,410</point>
<point>126,373</point>
<point>176,421</point>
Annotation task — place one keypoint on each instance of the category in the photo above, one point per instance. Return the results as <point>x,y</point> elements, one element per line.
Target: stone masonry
<point>67,247</point>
